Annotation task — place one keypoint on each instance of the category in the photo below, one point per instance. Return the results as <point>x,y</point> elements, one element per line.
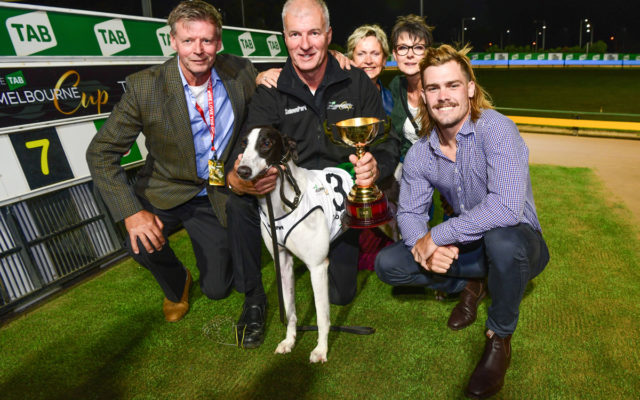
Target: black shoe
<point>250,326</point>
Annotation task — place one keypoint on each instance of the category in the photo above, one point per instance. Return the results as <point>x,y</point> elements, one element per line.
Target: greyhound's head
<point>266,146</point>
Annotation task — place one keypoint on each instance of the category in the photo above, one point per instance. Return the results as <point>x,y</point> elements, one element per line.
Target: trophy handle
<point>328,131</point>
<point>386,124</point>
<point>385,133</point>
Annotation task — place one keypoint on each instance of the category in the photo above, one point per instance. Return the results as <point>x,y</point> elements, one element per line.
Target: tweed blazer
<point>154,104</point>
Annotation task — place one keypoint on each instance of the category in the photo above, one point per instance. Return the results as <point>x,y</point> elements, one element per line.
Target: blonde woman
<point>368,48</point>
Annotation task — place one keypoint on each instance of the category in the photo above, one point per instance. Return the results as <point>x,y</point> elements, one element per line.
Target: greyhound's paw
<point>285,346</point>
<point>318,355</point>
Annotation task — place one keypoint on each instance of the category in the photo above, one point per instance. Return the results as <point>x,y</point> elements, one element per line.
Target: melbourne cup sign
<point>32,95</point>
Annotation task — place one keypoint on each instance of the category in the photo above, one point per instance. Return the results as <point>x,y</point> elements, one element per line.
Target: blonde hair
<point>442,55</point>
<point>363,32</point>
<point>195,10</point>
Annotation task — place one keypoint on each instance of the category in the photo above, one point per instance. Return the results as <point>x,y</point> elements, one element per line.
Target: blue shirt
<point>224,120</point>
<point>387,98</point>
<point>488,185</point>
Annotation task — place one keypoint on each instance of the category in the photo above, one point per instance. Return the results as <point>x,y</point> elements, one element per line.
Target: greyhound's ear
<point>291,147</point>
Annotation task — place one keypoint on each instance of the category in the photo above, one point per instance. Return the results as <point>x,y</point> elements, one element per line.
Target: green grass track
<point>578,335</point>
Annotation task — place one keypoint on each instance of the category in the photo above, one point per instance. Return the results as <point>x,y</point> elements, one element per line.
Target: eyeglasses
<point>418,49</point>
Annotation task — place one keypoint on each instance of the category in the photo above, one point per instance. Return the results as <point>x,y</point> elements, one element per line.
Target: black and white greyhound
<point>307,207</point>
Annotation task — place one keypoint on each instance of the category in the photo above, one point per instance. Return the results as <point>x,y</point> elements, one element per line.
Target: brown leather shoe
<point>173,312</point>
<point>466,311</point>
<point>488,377</point>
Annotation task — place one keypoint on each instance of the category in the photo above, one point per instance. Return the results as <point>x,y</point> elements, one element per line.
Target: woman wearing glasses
<point>410,37</point>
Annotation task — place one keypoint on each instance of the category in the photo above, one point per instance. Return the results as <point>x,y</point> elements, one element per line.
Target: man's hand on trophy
<point>366,169</point>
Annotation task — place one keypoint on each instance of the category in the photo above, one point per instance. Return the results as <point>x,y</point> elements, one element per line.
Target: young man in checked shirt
<point>477,159</point>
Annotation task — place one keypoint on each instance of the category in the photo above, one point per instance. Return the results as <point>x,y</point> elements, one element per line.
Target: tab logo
<point>112,37</point>
<point>274,45</point>
<point>15,80</point>
<point>164,39</point>
<point>31,33</point>
<point>246,43</point>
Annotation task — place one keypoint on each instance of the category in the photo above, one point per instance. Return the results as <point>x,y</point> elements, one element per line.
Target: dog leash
<point>358,330</point>
<point>276,259</point>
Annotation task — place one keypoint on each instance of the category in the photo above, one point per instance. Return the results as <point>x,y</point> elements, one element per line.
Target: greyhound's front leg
<point>288,294</point>
<point>320,283</point>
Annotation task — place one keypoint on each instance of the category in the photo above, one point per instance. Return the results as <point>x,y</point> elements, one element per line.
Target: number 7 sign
<point>41,156</point>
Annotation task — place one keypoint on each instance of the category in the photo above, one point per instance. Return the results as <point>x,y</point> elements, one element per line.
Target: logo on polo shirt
<point>294,110</point>
<point>344,106</point>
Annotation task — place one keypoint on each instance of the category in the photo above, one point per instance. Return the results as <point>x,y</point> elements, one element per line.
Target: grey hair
<point>319,3</point>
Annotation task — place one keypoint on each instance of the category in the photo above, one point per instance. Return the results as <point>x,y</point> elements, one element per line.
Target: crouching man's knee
<point>505,247</point>
<point>216,291</point>
<point>391,264</point>
<point>143,257</point>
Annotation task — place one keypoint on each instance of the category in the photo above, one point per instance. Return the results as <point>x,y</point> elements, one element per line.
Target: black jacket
<point>292,109</point>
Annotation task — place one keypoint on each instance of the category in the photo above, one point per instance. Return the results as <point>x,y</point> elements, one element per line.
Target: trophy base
<point>361,215</point>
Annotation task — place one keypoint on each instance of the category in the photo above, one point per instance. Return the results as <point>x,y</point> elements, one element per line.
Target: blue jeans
<point>509,257</point>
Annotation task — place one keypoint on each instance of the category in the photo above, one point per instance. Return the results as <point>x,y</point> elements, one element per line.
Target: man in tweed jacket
<point>171,105</point>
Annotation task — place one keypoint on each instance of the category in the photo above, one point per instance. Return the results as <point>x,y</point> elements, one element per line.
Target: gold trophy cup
<point>366,205</point>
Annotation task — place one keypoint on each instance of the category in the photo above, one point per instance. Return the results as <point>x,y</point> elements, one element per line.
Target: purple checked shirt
<point>488,185</point>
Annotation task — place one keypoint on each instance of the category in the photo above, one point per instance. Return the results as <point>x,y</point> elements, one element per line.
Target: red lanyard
<point>212,124</point>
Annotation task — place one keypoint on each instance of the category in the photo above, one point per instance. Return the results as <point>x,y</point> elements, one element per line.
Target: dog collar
<point>285,174</point>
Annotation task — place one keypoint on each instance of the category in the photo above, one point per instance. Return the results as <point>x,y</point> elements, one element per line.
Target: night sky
<point>614,21</point>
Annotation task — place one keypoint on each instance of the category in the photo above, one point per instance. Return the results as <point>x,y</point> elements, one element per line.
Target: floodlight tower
<point>585,21</point>
<point>589,31</point>
<point>508,31</point>
<point>463,28</point>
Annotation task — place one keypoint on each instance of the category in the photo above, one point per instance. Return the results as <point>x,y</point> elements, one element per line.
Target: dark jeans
<point>509,257</point>
<point>343,253</point>
<point>210,245</point>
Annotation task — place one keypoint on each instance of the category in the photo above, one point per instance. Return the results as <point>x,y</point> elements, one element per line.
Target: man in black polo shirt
<point>313,90</point>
